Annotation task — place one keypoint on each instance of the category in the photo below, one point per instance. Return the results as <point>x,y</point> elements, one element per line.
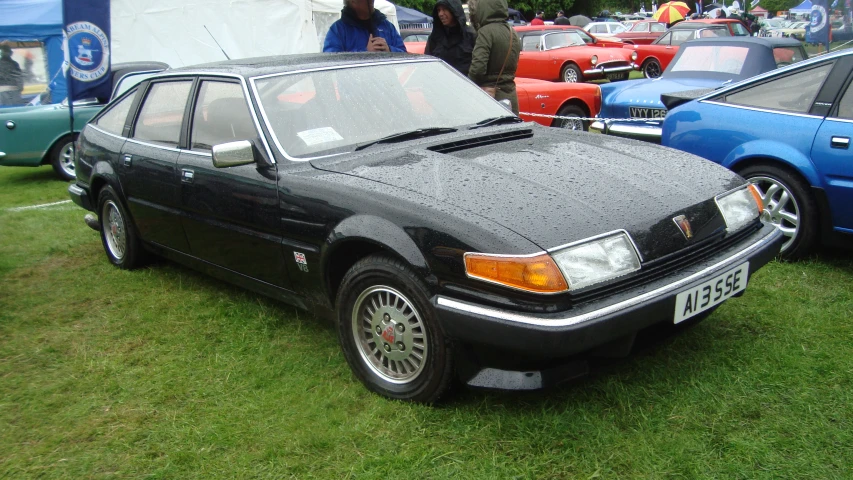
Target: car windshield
<point>704,59</point>
<point>562,39</point>
<point>788,55</point>
<point>332,111</point>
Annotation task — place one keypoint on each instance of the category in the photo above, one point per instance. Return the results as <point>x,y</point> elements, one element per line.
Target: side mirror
<point>232,154</point>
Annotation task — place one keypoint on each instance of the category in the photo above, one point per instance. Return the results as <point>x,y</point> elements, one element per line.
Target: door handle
<point>128,159</point>
<point>840,142</point>
<point>187,175</point>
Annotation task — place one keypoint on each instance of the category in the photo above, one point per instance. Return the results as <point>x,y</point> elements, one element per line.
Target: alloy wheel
<point>389,334</point>
<point>114,230</point>
<point>779,207</point>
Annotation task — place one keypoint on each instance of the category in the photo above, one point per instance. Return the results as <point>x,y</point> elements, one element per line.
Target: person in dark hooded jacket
<point>496,52</point>
<point>451,40</point>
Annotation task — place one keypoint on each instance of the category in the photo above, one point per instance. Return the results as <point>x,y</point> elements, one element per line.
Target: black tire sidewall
<point>56,161</point>
<point>132,253</point>
<point>375,270</point>
<point>646,66</point>
<point>567,110</point>
<point>808,212</point>
<point>574,67</point>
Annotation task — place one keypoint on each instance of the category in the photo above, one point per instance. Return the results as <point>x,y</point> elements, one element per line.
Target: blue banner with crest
<point>819,27</point>
<point>87,48</point>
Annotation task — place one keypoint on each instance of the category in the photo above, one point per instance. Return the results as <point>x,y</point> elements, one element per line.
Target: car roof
<point>769,42</point>
<point>554,28</point>
<point>258,66</point>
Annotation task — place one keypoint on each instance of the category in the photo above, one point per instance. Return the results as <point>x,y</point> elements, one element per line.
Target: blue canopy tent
<point>802,9</point>
<point>410,16</point>
<point>37,21</point>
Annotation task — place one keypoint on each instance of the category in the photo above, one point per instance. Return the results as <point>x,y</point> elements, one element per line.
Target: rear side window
<point>221,116</point>
<point>113,119</point>
<point>162,113</point>
<point>658,27</point>
<point>845,106</point>
<point>791,93</point>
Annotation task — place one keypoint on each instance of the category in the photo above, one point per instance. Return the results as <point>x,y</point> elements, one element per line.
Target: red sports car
<point>643,32</point>
<point>577,100</point>
<point>564,54</point>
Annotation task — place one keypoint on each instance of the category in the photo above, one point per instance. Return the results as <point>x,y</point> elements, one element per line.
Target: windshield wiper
<point>398,137</point>
<point>496,121</point>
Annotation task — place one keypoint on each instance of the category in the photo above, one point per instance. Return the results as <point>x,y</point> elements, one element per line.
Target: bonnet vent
<point>480,141</point>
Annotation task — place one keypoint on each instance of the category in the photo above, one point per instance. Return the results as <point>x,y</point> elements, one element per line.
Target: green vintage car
<point>31,136</point>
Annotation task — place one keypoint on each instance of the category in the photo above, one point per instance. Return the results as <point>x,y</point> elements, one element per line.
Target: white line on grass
<point>34,207</point>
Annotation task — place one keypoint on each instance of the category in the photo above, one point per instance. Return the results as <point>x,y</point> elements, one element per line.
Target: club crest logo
<point>818,18</point>
<point>88,51</point>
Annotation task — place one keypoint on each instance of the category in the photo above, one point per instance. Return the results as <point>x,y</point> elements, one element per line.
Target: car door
<point>231,215</point>
<point>533,62</point>
<point>148,164</point>
<point>832,155</point>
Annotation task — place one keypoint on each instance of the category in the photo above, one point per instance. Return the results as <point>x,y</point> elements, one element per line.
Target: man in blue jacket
<point>362,28</point>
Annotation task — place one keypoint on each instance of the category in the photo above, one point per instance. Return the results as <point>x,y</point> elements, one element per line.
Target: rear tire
<point>571,73</point>
<point>62,158</point>
<point>652,68</point>
<point>389,333</point>
<point>789,205</point>
<point>118,235</point>
<point>571,111</point>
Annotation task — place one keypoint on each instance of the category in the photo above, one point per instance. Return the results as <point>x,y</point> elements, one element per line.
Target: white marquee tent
<point>173,31</point>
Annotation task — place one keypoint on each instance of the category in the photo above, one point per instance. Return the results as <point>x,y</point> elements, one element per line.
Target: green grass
<point>165,373</point>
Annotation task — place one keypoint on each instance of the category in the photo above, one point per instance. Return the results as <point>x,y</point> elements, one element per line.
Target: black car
<point>442,233</point>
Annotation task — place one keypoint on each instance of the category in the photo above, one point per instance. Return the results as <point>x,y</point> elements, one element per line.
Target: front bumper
<point>590,325</point>
<point>602,70</point>
<point>80,196</point>
<point>649,131</point>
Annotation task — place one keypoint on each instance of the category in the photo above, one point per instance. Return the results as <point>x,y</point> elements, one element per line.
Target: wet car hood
<point>646,93</point>
<point>554,187</point>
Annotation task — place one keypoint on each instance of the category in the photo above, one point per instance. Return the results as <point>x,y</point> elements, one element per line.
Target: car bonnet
<point>555,187</point>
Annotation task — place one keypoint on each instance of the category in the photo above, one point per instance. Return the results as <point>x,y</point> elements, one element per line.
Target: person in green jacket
<point>496,50</point>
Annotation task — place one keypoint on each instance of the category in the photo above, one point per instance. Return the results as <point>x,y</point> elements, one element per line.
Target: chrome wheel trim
<point>402,359</point>
<point>114,230</point>
<point>574,123</point>
<point>66,159</point>
<point>652,70</point>
<point>779,207</point>
<point>570,75</point>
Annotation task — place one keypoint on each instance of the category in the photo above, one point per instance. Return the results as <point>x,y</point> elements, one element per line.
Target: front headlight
<point>597,260</point>
<point>594,59</point>
<point>634,56</point>
<point>740,206</point>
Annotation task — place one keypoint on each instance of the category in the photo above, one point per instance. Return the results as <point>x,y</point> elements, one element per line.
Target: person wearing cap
<point>11,79</point>
<point>562,19</point>
<point>538,20</point>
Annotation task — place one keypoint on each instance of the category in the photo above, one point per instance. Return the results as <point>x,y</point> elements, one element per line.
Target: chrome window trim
<point>631,302</point>
<point>95,127</point>
<point>764,110</point>
<point>599,236</point>
<point>839,119</point>
<point>200,154</point>
<point>246,96</point>
<point>161,147</point>
<point>253,80</point>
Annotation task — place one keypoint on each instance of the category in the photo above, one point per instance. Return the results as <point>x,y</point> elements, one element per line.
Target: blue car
<point>634,108</point>
<point>788,132</point>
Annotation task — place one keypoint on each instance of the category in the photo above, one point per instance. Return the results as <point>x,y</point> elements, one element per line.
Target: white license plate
<point>712,292</point>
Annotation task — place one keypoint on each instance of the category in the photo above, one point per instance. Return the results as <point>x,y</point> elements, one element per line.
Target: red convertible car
<point>563,54</point>
<point>643,32</point>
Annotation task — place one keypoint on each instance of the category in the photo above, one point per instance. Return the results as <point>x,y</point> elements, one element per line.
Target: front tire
<point>652,69</point>
<point>118,235</point>
<point>62,158</point>
<point>789,205</point>
<point>572,111</point>
<point>389,333</point>
<point>571,74</point>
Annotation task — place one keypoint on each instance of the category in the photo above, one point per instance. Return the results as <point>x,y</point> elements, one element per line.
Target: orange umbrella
<point>671,12</point>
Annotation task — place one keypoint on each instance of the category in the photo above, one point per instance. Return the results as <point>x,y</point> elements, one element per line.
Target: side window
<point>739,29</point>
<point>599,29</point>
<point>681,36</point>
<point>113,119</point>
<point>530,43</point>
<point>658,27</point>
<point>162,112</point>
<point>586,38</point>
<point>845,106</point>
<point>792,93</point>
<point>221,116</point>
<point>664,39</point>
<point>642,27</point>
